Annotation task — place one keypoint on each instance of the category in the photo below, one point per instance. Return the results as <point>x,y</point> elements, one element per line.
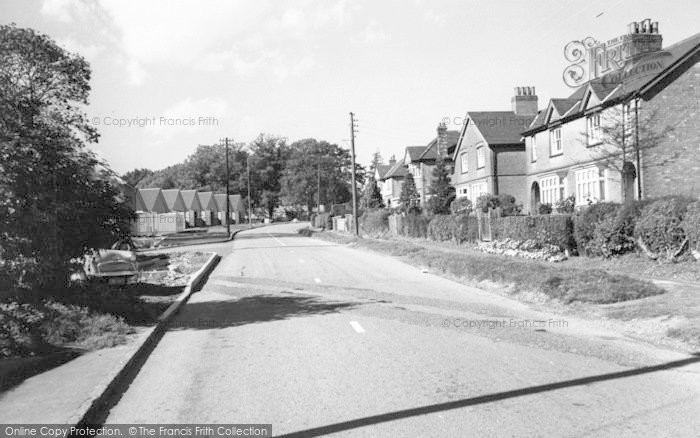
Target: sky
<point>170,75</point>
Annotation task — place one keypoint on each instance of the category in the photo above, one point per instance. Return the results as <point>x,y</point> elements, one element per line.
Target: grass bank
<point>517,275</point>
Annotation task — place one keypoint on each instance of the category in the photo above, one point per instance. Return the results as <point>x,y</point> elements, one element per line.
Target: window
<point>476,190</point>
<point>590,186</point>
<point>550,190</point>
<point>593,129</point>
<point>555,142</point>
<point>533,148</point>
<point>464,162</point>
<point>480,158</point>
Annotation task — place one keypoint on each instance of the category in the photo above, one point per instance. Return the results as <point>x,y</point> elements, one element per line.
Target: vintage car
<point>115,266</point>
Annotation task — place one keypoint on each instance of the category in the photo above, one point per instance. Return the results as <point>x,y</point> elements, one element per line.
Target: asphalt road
<point>318,338</point>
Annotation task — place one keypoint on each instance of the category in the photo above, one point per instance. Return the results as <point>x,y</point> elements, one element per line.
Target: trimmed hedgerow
<point>585,223</point>
<point>614,234</point>
<point>691,225</point>
<point>554,230</point>
<point>457,228</point>
<point>659,231</point>
<point>415,225</point>
<point>375,222</point>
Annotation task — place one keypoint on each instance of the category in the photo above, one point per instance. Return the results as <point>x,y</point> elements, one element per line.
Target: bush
<point>415,225</point>
<point>543,208</point>
<point>486,202</point>
<point>322,220</point>
<point>614,234</point>
<point>553,230</point>
<point>585,224</point>
<point>508,205</point>
<point>659,231</point>
<point>440,228</point>
<point>566,205</point>
<point>461,206</point>
<point>691,225</point>
<point>375,222</point>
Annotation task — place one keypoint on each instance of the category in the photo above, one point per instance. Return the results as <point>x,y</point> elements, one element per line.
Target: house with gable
<point>392,182</point>
<point>490,156</point>
<point>173,198</point>
<point>421,165</point>
<point>209,207</point>
<point>193,206</point>
<point>151,201</point>
<point>657,91</point>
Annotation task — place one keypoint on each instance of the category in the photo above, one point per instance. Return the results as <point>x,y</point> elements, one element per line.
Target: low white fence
<point>150,224</point>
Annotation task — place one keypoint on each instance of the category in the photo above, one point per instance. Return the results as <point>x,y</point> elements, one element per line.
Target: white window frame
<point>593,128</point>
<point>533,148</point>
<point>476,190</point>
<point>589,182</point>
<point>555,143</point>
<point>550,189</point>
<point>464,162</point>
<point>480,157</point>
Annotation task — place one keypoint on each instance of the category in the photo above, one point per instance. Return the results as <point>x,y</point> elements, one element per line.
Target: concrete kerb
<point>95,409</point>
<point>223,240</point>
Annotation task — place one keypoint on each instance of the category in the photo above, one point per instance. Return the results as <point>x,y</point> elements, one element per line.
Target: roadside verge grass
<point>563,284</point>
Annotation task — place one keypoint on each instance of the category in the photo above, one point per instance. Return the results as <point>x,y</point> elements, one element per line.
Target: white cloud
<point>89,51</point>
<point>65,10</point>
<point>188,116</point>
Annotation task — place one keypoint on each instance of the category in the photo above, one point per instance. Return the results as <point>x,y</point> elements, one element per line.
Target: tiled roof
<point>151,200</point>
<point>398,170</point>
<point>382,169</point>
<point>191,199</point>
<point>563,105</point>
<point>413,152</point>
<point>500,127</point>
<point>207,201</point>
<point>621,84</point>
<point>236,202</point>
<point>430,152</point>
<point>174,200</point>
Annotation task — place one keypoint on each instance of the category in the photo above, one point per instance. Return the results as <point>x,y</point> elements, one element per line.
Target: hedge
<point>555,230</point>
<point>375,222</point>
<point>322,220</point>
<point>415,225</point>
<point>458,228</point>
<point>659,231</point>
<point>691,225</point>
<point>585,223</point>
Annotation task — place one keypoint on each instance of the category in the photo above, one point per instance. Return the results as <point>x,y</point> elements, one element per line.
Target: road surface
<point>318,338</point>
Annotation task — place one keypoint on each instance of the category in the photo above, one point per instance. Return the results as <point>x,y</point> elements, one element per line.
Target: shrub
<point>375,222</point>
<point>691,225</point>
<point>486,202</point>
<point>659,231</point>
<point>585,224</point>
<point>440,228</point>
<point>543,208</point>
<point>566,205</point>
<point>508,205</point>
<point>614,234</point>
<point>552,230</point>
<point>415,225</point>
<point>461,206</point>
<point>322,220</point>
<point>465,228</point>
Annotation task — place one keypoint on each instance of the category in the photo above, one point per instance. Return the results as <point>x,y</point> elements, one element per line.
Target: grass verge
<point>520,276</point>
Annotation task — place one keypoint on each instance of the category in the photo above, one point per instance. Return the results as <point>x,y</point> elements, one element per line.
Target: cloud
<point>65,11</point>
<point>373,33</point>
<point>188,116</point>
<point>89,51</point>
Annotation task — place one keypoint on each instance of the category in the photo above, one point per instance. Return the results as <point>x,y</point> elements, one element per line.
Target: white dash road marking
<point>277,240</point>
<point>317,280</point>
<point>356,325</point>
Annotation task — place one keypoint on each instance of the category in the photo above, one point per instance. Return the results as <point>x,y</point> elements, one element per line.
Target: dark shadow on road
<point>424,410</point>
<point>330,245</point>
<point>16,370</point>
<point>254,309</point>
<point>253,236</point>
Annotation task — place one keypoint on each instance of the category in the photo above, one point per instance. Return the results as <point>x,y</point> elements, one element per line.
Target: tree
<point>409,198</point>
<point>371,196</point>
<point>134,176</point>
<point>441,189</point>
<point>56,197</point>
<point>619,135</point>
<point>269,155</point>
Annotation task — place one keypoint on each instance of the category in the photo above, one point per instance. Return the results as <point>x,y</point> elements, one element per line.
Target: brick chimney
<point>524,102</point>
<point>392,160</point>
<point>442,140</point>
<point>643,37</point>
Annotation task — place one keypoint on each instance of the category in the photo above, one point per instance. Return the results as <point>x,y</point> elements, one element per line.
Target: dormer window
<point>593,129</point>
<point>555,145</point>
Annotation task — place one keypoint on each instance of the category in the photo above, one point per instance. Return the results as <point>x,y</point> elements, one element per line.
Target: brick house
<point>490,154</point>
<point>568,154</point>
<point>392,182</point>
<point>421,164</point>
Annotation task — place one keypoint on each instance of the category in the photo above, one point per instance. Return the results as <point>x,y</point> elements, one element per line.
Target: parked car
<point>115,266</point>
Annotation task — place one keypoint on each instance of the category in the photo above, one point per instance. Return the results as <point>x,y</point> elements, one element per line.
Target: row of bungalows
<point>166,211</point>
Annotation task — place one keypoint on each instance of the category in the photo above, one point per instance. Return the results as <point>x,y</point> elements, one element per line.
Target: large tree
<point>269,155</point>
<point>56,199</point>
<point>409,197</point>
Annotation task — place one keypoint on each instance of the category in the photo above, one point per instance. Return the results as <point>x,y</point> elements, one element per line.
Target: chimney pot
<point>524,102</point>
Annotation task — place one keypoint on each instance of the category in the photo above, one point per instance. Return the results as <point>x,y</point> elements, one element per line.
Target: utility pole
<point>250,214</point>
<point>228,208</point>
<point>353,128</point>
<point>318,192</point>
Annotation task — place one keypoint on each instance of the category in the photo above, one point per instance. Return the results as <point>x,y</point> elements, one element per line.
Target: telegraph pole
<point>353,128</point>
<point>228,208</point>
<point>250,215</point>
